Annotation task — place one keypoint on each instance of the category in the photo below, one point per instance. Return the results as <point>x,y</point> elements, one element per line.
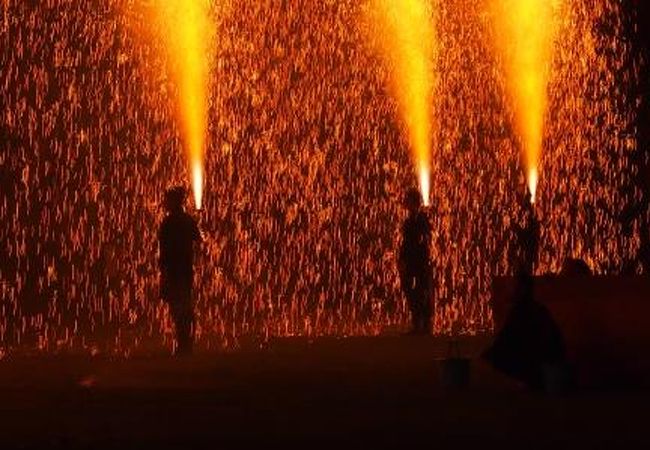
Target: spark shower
<point>306,168</point>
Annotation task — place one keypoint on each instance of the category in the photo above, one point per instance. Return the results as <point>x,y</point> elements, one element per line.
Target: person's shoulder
<point>184,217</point>
<point>166,222</point>
<point>189,221</point>
<point>422,218</point>
<point>408,223</point>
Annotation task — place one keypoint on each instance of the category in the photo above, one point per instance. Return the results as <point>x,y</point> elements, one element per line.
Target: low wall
<point>605,322</point>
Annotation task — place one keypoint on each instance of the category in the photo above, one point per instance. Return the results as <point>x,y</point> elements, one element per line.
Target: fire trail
<point>525,33</point>
<point>404,31</point>
<point>186,29</point>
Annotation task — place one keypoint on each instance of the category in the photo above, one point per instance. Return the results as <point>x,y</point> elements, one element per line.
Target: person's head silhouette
<point>412,201</point>
<point>175,199</point>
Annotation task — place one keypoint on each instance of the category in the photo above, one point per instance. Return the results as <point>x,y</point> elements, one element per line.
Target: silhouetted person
<point>178,232</point>
<point>527,235</point>
<point>415,263</point>
<point>530,338</point>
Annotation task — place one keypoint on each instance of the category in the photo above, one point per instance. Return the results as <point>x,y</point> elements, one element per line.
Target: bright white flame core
<point>425,184</point>
<point>533,178</point>
<point>197,183</point>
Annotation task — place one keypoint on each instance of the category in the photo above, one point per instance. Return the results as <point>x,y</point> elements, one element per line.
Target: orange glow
<point>306,167</point>
<point>186,31</point>
<point>405,33</point>
<point>525,33</point>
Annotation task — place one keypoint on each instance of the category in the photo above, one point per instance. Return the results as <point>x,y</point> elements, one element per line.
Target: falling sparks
<point>185,27</point>
<point>405,33</point>
<point>525,40</point>
<point>306,175</point>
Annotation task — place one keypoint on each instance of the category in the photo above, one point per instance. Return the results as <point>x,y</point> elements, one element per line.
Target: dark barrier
<point>605,322</point>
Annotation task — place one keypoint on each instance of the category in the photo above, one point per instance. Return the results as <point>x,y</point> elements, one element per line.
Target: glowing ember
<point>406,36</point>
<point>525,38</point>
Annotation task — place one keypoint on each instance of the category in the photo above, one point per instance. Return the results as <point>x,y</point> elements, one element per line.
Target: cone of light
<point>186,33</point>
<point>525,33</point>
<point>405,33</point>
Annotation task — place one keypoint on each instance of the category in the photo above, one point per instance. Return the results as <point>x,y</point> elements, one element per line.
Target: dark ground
<point>361,392</point>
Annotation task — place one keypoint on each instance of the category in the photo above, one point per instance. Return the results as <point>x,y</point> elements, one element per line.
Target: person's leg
<point>184,334</point>
<point>177,317</point>
<point>185,323</point>
<point>416,313</point>
<point>182,316</point>
<point>411,300</point>
<point>173,297</point>
<point>426,315</point>
<point>423,308</point>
